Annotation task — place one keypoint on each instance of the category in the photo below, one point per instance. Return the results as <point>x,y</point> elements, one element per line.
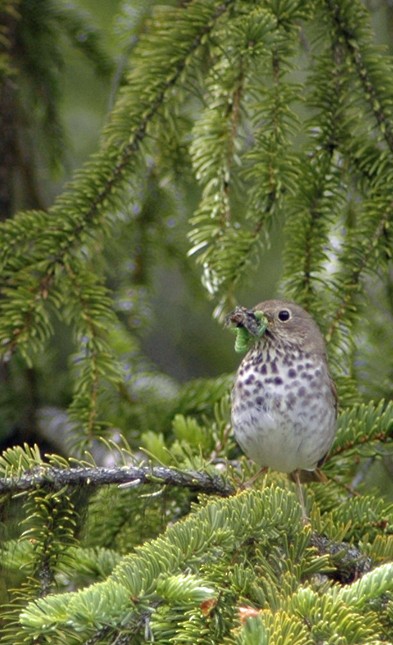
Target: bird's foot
<point>253,479</point>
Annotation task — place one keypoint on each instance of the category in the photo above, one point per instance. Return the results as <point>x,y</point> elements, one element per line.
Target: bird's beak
<point>253,322</point>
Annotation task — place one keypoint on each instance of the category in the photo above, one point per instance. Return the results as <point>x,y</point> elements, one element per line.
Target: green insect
<point>249,326</point>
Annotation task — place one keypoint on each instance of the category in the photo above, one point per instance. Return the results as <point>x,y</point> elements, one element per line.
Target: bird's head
<point>291,324</point>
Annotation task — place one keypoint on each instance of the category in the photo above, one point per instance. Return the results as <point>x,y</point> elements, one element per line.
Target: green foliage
<point>174,586</point>
<point>361,431</point>
<point>227,237</point>
<point>79,217</point>
<point>47,532</point>
<point>14,462</point>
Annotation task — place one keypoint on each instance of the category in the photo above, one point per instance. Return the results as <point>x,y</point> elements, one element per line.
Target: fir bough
<point>234,551</point>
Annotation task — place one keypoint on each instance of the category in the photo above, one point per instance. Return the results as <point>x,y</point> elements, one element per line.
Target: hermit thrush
<point>284,400</point>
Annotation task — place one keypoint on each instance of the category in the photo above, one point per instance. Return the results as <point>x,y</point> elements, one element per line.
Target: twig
<point>55,478</point>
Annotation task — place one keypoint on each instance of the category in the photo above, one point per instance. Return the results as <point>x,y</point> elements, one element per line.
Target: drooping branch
<point>366,69</point>
<point>351,289</point>
<point>79,209</point>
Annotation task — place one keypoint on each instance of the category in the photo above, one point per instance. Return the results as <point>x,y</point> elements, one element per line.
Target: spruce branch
<point>266,198</point>
<point>361,429</point>
<point>78,210</point>
<point>381,437</point>
<point>91,314</point>
<point>49,477</point>
<point>361,263</point>
<point>209,542</point>
<point>354,36</point>
<point>260,46</point>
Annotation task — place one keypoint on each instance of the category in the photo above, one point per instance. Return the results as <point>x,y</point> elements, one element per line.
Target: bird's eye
<point>284,315</point>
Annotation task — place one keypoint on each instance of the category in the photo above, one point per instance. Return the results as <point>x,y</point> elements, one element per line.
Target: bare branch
<point>54,478</point>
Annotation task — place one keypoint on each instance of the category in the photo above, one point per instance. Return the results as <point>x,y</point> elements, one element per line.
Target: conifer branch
<point>49,477</point>
<point>372,92</point>
<point>213,538</point>
<point>316,231</point>
<point>351,288</point>
<point>108,168</point>
<point>91,318</point>
<point>272,146</point>
<point>381,437</point>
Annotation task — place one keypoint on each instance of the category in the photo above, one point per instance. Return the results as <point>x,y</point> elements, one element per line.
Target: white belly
<point>282,445</point>
<point>278,428</point>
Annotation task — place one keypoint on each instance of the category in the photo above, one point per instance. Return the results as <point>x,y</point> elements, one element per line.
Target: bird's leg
<point>253,479</point>
<point>296,477</point>
<point>321,476</point>
<point>324,480</point>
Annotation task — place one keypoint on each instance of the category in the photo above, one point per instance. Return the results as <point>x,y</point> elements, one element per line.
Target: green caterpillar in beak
<point>248,326</point>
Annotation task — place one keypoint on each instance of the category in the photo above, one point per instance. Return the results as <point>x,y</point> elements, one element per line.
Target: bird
<point>284,402</point>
